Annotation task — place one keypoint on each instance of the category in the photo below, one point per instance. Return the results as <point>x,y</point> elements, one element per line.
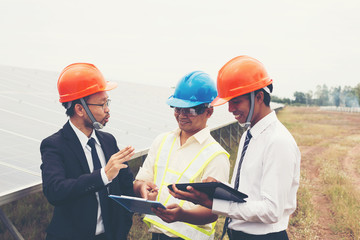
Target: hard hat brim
<point>220,101</point>
<point>87,92</point>
<point>110,86</point>
<point>177,102</point>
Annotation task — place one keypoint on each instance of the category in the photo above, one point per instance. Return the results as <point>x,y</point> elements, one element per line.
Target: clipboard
<point>137,205</point>
<point>214,190</point>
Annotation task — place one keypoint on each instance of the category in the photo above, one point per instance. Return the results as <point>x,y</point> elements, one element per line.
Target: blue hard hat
<point>193,89</point>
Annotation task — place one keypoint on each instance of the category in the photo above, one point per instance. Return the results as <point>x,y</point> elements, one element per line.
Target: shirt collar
<point>200,136</point>
<point>261,125</point>
<point>82,137</point>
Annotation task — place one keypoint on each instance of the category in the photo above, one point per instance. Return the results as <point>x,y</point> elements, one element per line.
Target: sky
<point>301,43</point>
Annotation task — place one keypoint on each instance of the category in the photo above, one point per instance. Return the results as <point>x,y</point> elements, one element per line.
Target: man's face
<point>100,111</point>
<point>189,123</point>
<point>240,107</point>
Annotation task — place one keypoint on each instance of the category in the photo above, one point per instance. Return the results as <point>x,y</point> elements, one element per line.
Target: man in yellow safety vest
<point>187,154</point>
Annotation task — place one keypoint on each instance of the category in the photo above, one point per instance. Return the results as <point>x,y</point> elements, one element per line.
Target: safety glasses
<point>193,111</point>
<point>106,104</point>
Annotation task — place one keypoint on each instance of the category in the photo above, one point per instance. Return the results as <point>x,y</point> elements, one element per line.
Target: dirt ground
<point>350,124</point>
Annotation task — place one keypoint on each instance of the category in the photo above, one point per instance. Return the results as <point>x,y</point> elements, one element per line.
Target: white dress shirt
<point>270,175</point>
<point>87,150</point>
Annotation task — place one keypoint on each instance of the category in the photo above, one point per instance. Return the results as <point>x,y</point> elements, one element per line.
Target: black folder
<point>214,190</point>
<point>137,205</point>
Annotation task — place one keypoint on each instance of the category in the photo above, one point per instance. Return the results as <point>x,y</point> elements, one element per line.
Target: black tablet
<point>214,190</point>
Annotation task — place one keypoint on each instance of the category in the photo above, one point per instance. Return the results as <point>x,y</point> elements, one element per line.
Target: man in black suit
<point>81,165</point>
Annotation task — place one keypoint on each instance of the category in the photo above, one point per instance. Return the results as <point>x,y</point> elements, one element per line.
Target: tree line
<point>324,96</point>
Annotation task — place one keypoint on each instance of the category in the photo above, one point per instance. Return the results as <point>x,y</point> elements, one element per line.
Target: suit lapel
<point>75,145</point>
<point>105,147</point>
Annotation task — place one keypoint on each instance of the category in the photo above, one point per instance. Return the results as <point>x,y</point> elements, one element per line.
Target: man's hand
<point>198,215</point>
<point>117,161</point>
<point>209,179</point>
<point>172,213</point>
<point>147,190</point>
<point>192,195</point>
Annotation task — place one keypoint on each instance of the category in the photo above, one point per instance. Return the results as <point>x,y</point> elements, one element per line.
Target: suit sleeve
<point>63,181</point>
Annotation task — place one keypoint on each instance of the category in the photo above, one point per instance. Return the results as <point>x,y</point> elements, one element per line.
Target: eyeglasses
<point>105,105</point>
<point>194,111</point>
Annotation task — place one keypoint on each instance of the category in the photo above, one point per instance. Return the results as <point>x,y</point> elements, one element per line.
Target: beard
<point>89,124</point>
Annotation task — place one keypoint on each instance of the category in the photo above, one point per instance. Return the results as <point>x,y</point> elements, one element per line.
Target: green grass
<point>345,199</point>
<point>304,217</point>
<point>30,215</point>
<point>333,135</point>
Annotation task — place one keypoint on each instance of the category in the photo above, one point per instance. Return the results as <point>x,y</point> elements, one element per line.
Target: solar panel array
<point>30,111</point>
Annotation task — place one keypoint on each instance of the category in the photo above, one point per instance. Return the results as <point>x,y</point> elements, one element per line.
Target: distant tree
<point>309,97</point>
<point>299,98</point>
<point>276,99</point>
<point>338,96</point>
<point>280,100</point>
<point>357,92</point>
<point>335,93</point>
<point>286,101</point>
<point>322,95</point>
<point>349,98</point>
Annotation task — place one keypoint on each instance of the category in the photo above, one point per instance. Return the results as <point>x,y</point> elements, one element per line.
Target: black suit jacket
<point>70,187</point>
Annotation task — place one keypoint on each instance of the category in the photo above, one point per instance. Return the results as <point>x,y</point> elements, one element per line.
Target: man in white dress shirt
<point>268,164</point>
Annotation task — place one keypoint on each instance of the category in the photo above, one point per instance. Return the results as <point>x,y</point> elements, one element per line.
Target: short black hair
<point>70,111</point>
<point>200,109</point>
<point>267,97</point>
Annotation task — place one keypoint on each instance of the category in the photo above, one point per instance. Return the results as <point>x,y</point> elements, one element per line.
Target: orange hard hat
<point>239,76</point>
<point>79,80</point>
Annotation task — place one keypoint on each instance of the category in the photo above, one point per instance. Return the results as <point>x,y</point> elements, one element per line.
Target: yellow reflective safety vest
<point>164,176</point>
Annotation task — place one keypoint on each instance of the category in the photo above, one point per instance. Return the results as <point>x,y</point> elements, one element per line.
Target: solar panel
<point>30,111</point>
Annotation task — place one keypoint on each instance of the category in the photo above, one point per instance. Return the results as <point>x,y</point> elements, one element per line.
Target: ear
<point>79,110</point>
<point>259,97</point>
<point>209,112</point>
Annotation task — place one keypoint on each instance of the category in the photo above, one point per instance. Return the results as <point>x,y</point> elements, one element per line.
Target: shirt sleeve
<point>278,174</point>
<point>104,177</point>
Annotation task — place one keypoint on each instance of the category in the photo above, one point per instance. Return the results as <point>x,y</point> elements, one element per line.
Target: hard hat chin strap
<point>251,112</point>
<point>96,124</point>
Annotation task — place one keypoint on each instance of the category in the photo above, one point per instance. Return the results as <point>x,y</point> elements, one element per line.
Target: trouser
<point>161,236</point>
<point>239,235</point>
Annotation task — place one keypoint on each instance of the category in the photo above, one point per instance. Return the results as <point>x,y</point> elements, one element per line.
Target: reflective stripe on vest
<point>163,176</point>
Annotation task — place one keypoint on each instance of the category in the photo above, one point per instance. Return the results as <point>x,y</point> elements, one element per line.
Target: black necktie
<point>103,194</point>
<point>237,180</point>
<point>246,144</point>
